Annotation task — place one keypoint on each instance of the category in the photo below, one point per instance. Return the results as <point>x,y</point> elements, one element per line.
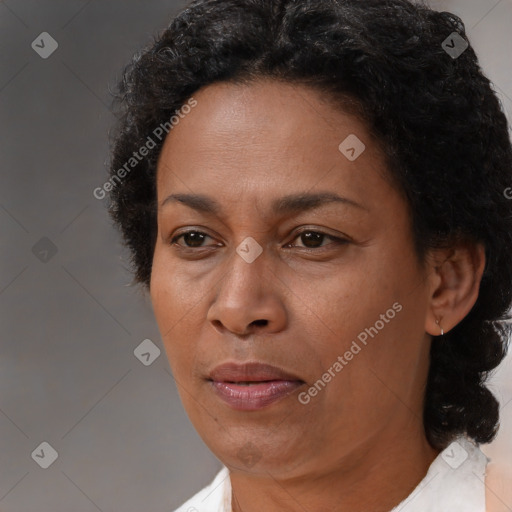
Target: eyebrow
<point>284,205</point>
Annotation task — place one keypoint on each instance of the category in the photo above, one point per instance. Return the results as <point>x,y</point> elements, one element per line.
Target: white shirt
<point>454,482</point>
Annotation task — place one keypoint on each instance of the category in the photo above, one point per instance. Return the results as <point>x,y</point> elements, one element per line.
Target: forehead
<point>262,111</point>
<point>268,136</point>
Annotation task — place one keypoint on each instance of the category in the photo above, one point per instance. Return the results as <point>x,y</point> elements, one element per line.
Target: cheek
<point>175,295</point>
<point>384,353</point>
<point>352,297</point>
<point>372,312</point>
<point>176,306</point>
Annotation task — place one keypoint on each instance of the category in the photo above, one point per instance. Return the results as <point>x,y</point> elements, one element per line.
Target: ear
<point>455,276</point>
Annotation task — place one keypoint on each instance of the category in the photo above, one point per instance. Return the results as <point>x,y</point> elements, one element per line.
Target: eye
<point>310,239</point>
<point>191,238</point>
<point>313,239</point>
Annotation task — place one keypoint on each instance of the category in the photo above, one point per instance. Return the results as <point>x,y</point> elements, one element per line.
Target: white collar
<point>454,481</point>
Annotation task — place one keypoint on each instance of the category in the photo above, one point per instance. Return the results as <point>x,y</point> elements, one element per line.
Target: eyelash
<point>336,240</point>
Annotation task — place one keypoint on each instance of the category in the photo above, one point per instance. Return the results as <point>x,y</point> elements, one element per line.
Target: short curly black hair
<point>436,115</point>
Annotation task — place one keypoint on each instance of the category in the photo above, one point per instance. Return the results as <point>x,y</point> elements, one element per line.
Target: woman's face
<point>330,292</point>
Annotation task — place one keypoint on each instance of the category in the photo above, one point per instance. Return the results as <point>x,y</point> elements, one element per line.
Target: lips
<point>250,372</point>
<point>252,386</point>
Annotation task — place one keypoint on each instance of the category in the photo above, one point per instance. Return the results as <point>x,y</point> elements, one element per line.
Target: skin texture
<point>498,480</point>
<point>359,444</point>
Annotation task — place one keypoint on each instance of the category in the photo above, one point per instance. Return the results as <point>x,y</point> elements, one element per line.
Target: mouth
<point>252,386</point>
<point>248,383</point>
<point>249,373</point>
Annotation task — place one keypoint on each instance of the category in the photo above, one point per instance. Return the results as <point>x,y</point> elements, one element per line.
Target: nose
<point>249,299</point>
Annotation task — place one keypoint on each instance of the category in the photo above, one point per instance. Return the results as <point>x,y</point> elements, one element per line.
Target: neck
<point>376,476</point>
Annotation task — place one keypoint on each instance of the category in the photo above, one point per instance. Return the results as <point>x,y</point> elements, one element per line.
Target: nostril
<point>260,322</point>
<point>217,324</point>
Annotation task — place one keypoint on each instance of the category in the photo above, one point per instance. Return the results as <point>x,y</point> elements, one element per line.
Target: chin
<point>254,453</point>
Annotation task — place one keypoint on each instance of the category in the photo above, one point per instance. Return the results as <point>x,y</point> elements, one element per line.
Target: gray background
<point>69,321</point>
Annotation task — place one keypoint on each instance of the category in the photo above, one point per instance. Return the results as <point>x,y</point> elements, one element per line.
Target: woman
<point>314,195</point>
